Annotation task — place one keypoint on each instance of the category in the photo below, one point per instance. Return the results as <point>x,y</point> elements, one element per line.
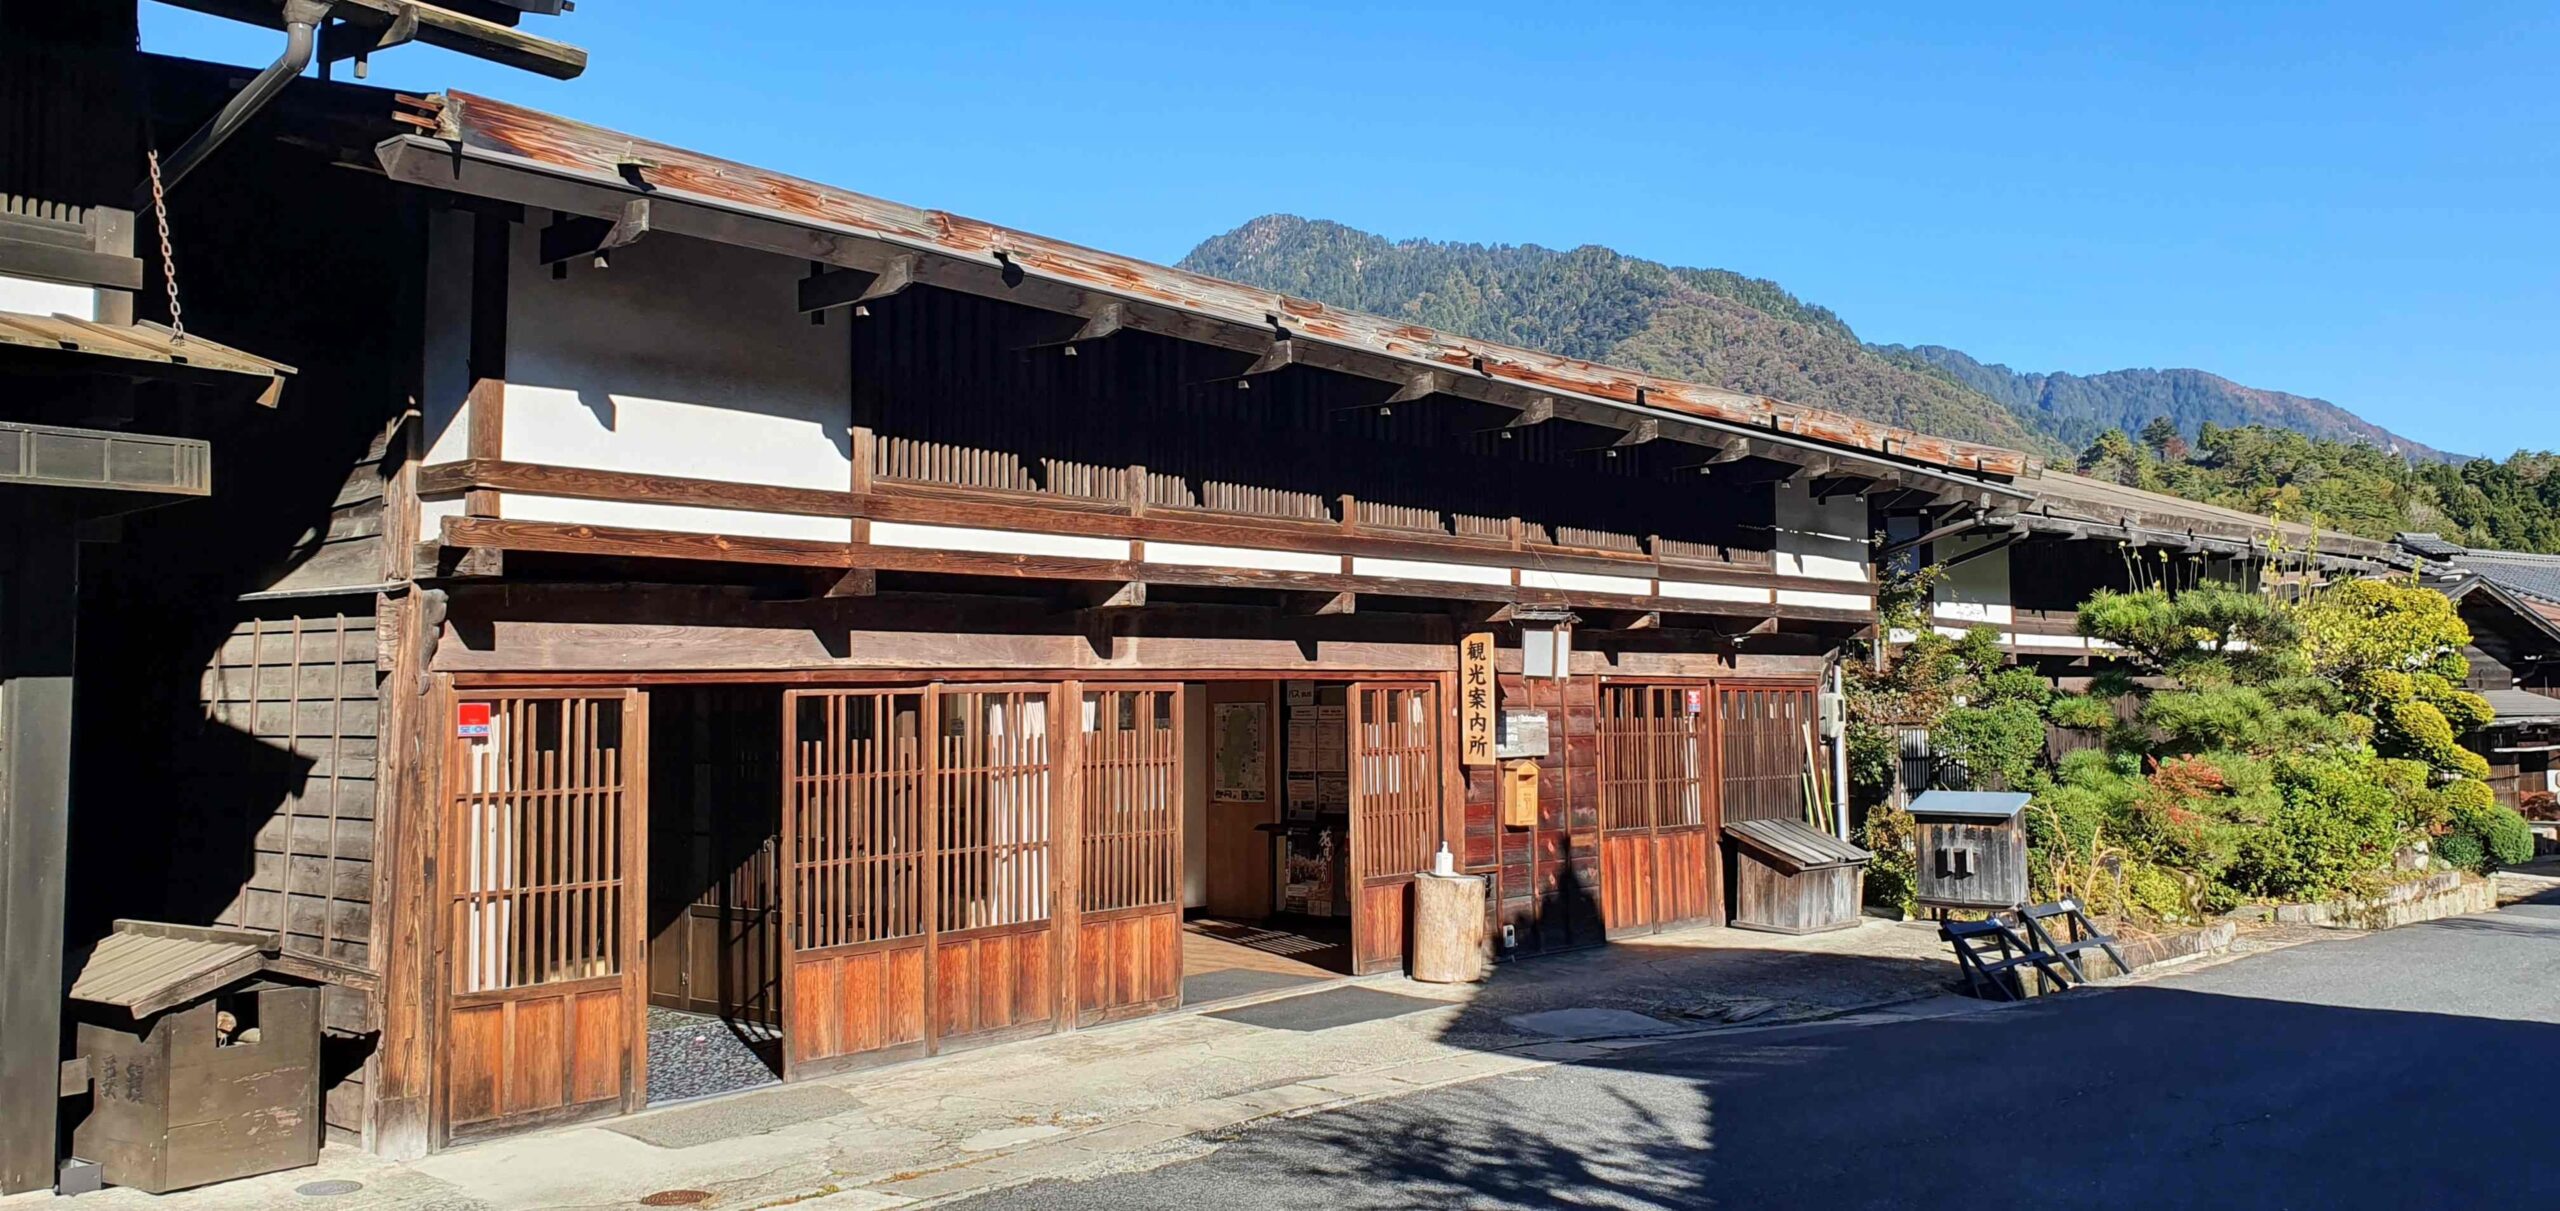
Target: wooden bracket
<point>856,582</point>
<point>1312,605</point>
<point>833,288</point>
<point>572,236</point>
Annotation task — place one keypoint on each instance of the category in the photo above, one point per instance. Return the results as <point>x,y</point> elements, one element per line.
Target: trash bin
<point>202,1065</point>
<point>1448,927</point>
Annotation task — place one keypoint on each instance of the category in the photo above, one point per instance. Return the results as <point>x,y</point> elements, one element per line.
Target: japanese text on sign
<point>1476,695</point>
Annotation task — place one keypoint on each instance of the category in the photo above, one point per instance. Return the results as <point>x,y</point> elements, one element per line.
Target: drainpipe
<point>1840,756</point>
<point>301,35</point>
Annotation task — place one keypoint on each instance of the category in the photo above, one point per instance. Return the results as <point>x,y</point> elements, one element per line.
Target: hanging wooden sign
<point>1476,694</point>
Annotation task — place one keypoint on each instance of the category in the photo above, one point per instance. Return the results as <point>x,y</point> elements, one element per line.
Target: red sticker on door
<point>471,720</point>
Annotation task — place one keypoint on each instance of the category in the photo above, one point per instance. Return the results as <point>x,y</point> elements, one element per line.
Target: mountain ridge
<point>1728,329</point>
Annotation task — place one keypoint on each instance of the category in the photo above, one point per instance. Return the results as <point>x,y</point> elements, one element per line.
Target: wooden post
<point>39,598</point>
<point>491,239</point>
<point>1448,928</point>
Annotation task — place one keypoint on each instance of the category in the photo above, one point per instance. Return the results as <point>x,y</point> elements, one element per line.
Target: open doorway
<point>1269,799</point>
<point>715,945</point>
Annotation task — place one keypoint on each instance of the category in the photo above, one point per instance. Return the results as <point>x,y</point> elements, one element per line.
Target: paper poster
<point>1242,758</point>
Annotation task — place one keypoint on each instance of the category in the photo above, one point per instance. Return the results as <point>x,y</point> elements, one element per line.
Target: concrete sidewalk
<point>1128,1096</point>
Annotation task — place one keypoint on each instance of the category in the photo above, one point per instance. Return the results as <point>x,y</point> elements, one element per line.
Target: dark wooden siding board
<point>280,832</point>
<point>940,367</point>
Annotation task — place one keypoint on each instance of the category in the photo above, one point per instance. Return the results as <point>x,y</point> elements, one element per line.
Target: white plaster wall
<point>28,296</point>
<point>1976,590</point>
<point>1821,539</point>
<point>1195,795</point>
<point>684,358</point>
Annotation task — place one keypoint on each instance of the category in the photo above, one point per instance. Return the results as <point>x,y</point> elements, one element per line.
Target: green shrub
<point>2004,741</point>
<point>2331,826</point>
<point>2081,712</point>
<point>2463,851</point>
<point>2198,720</point>
<point>1893,878</point>
<point>2510,837</point>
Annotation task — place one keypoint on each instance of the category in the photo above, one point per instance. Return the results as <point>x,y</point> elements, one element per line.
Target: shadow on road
<point>2145,1095</point>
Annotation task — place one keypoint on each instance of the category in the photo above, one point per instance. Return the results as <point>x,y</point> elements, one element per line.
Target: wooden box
<point>1971,849</point>
<point>200,1066</point>
<point>1790,878</point>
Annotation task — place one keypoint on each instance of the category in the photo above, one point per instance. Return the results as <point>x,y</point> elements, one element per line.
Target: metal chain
<point>168,256</point>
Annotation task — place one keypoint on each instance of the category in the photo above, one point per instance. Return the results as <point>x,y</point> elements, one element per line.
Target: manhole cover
<point>328,1189</point>
<point>675,1198</point>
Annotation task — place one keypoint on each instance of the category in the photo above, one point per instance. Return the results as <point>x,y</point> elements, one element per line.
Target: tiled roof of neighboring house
<point>2433,546</point>
<point>2522,572</point>
<point>2521,706</point>
<point>2159,518</point>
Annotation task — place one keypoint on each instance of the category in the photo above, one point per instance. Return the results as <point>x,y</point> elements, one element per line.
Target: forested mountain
<point>2357,487</point>
<point>1719,327</point>
<point>1703,325</point>
<point>2077,408</point>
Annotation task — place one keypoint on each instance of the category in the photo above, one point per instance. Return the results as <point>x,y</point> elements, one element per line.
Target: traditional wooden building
<point>2511,602</point>
<point>2024,573</point>
<point>681,591</point>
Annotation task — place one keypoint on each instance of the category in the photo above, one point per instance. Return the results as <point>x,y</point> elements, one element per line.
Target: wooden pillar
<point>39,600</point>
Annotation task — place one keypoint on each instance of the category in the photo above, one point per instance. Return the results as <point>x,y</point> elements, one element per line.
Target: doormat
<point>1328,1009</point>
<point>733,1118</point>
<point>1236,982</point>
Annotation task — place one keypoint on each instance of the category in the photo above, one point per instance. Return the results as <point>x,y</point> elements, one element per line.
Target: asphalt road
<point>2412,1069</point>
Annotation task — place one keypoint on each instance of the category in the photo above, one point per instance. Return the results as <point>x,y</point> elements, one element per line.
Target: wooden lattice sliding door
<point>1395,813</point>
<point>1659,860</point>
<point>995,881</point>
<point>856,862</point>
<point>1763,751</point>
<point>1127,955</point>
<point>918,841</point>
<point>545,833</point>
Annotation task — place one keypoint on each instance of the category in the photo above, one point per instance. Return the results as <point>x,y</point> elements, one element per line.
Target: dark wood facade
<point>950,675</point>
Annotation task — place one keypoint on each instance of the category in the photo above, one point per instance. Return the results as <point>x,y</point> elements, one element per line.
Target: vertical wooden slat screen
<point>1132,800</point>
<point>542,849</point>
<point>1764,750</point>
<point>1397,782</point>
<point>1126,958</point>
<point>855,799</point>
<point>538,893</point>
<point>992,798</point>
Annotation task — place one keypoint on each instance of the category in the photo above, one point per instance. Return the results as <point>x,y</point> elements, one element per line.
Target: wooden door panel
<point>1395,813</point>
<point>1127,957</point>
<point>853,1007</point>
<point>545,931</point>
<point>993,984</point>
<point>1658,805</point>
<point>857,861</point>
<point>995,882</point>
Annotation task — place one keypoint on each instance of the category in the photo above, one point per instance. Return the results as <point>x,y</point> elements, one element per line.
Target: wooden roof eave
<point>498,175</point>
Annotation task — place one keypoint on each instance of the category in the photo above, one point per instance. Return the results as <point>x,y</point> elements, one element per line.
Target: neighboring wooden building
<point>2508,600</point>
<point>2025,573</point>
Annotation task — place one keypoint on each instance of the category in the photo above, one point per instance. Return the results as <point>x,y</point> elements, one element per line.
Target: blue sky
<point>2352,200</point>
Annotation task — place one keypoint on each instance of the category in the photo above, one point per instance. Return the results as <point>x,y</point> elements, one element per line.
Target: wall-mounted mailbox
<point>1972,849</point>
<point>1520,794</point>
